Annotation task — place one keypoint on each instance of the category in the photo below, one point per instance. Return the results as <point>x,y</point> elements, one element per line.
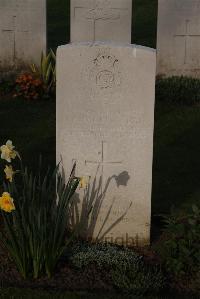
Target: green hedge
<point>184,90</point>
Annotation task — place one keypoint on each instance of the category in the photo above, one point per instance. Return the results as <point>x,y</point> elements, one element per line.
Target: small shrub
<point>28,87</point>
<point>179,246</point>
<point>103,255</point>
<point>139,280</point>
<point>128,271</point>
<point>40,82</point>
<point>35,211</point>
<point>184,90</point>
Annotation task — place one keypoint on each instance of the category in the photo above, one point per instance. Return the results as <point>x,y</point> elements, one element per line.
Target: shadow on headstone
<point>84,215</point>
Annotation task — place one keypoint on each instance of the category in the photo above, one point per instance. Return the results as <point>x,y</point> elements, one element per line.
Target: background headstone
<point>105,116</point>
<point>22,33</point>
<point>178,38</point>
<point>101,20</point>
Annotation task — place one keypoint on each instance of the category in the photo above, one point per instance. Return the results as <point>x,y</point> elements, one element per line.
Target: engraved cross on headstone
<point>13,31</point>
<point>186,36</point>
<point>102,162</point>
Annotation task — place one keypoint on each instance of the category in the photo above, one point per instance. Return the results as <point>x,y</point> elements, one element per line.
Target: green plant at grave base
<point>47,71</point>
<point>35,213</point>
<point>176,89</point>
<point>6,86</point>
<point>179,247</point>
<point>139,280</point>
<point>128,271</point>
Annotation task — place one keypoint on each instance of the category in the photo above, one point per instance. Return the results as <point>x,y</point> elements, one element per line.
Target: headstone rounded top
<point>107,45</point>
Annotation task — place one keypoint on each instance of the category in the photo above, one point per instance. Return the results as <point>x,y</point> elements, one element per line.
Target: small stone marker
<point>178,38</point>
<point>22,33</point>
<point>105,117</point>
<point>101,20</point>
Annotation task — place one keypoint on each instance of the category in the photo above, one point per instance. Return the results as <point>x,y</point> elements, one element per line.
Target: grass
<point>176,167</point>
<point>31,127</point>
<point>143,27</point>
<point>34,294</point>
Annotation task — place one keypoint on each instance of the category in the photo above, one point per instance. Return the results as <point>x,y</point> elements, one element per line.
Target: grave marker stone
<point>101,20</point>
<point>22,33</point>
<point>178,38</point>
<point>105,116</point>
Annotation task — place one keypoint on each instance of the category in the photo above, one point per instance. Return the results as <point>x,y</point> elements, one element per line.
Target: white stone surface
<point>178,39</point>
<point>101,20</point>
<point>22,32</point>
<point>105,117</point>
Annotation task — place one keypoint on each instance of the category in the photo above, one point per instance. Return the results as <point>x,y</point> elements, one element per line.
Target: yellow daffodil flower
<point>6,203</point>
<point>9,173</point>
<point>8,152</point>
<point>84,181</point>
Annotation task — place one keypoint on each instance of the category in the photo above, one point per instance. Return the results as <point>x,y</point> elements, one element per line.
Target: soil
<point>91,279</point>
<point>66,277</point>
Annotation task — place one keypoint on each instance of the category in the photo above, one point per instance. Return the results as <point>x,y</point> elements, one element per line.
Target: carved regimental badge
<point>105,71</point>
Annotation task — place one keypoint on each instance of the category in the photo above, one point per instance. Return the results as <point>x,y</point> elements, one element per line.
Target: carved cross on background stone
<point>101,20</point>
<point>99,14</point>
<point>13,30</point>
<point>187,36</point>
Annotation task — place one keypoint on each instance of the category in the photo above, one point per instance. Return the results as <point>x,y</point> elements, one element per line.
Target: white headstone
<point>178,38</point>
<point>22,33</point>
<point>105,118</point>
<point>101,20</point>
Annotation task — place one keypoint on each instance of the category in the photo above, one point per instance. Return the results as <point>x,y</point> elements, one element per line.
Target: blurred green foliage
<point>179,246</point>
<point>182,90</point>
